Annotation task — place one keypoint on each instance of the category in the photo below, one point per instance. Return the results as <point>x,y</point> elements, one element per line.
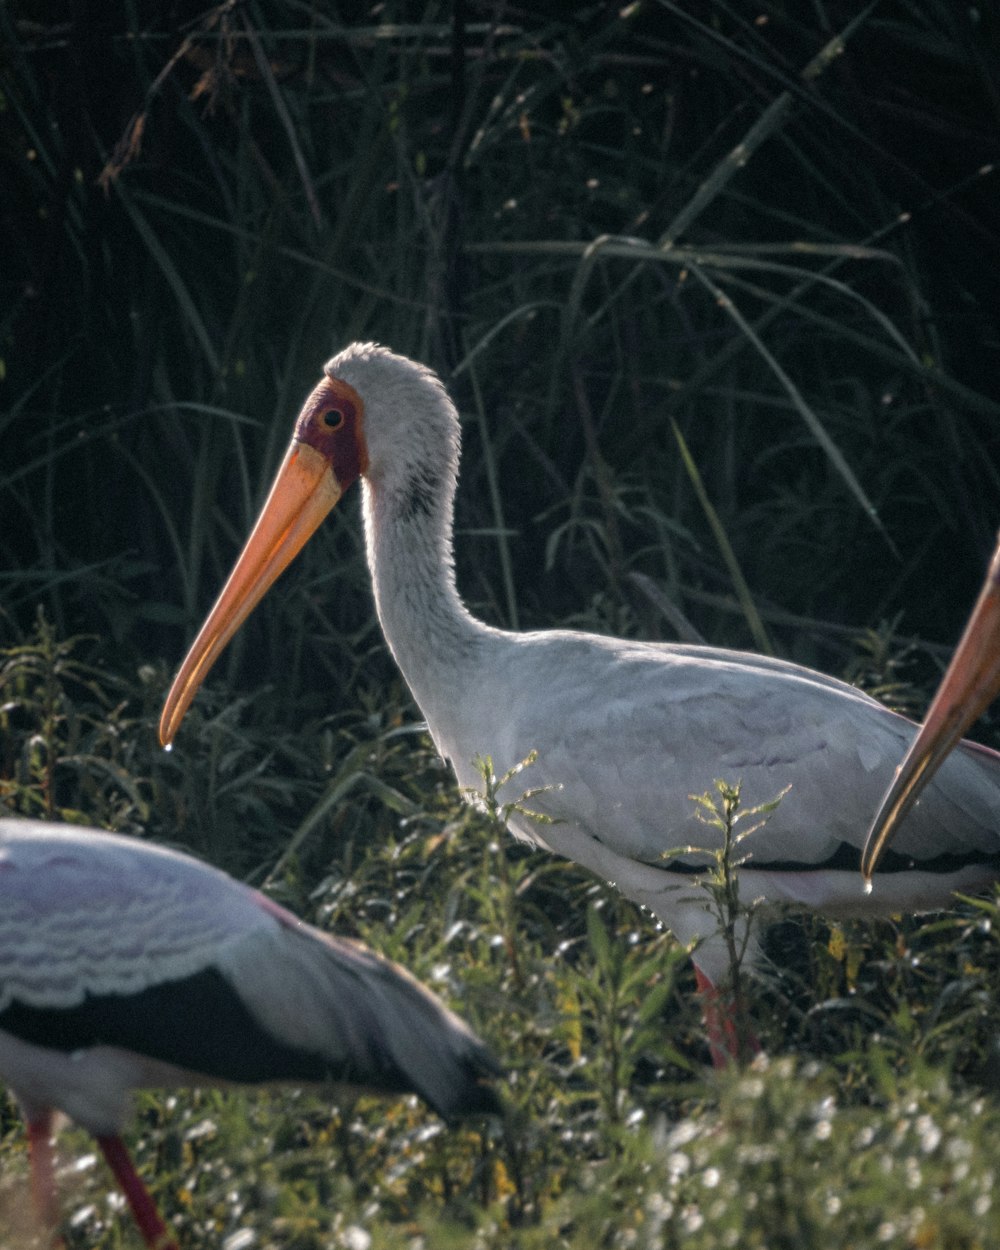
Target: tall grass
<point>596,224</point>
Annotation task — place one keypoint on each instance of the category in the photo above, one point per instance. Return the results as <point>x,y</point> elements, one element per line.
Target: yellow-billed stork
<point>124,965</point>
<point>970,684</point>
<point>625,732</point>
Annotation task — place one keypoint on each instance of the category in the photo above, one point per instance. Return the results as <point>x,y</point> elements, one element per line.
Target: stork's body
<point>124,965</point>
<point>625,732</point>
<point>617,782</point>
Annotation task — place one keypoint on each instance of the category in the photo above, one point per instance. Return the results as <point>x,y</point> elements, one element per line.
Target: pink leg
<point>723,1038</point>
<point>155,1233</point>
<point>43,1186</point>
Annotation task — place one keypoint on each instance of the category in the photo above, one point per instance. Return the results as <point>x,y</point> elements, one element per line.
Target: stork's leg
<point>155,1233</point>
<point>720,1024</point>
<point>43,1186</point>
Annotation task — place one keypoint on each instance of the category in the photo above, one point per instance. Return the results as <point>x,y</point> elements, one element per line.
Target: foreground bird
<point>124,965</point>
<point>969,686</point>
<point>624,731</point>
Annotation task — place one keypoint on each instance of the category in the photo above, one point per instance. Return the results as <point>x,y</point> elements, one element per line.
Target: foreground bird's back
<point>89,912</point>
<point>110,941</point>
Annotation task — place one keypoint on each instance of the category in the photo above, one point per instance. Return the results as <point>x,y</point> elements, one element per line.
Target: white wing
<point>85,912</point>
<point>625,733</point>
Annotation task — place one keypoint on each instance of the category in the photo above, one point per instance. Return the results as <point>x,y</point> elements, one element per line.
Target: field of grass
<point>715,290</point>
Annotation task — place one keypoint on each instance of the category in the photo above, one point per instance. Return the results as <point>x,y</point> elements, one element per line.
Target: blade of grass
<point>161,256</point>
<point>750,613</point>
<point>813,422</point>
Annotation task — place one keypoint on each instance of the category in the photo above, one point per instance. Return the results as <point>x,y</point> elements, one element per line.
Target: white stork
<point>624,731</point>
<point>124,965</point>
<point>970,684</point>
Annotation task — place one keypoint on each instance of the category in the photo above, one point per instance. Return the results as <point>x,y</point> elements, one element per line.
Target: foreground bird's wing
<point>110,940</point>
<point>366,1019</point>
<point>85,912</point>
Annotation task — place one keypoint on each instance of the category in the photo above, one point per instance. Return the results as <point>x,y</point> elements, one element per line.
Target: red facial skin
<point>332,423</point>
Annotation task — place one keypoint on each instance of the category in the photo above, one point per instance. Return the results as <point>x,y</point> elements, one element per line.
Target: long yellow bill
<point>970,684</point>
<point>304,491</point>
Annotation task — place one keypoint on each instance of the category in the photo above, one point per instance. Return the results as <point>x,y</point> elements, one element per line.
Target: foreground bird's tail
<point>438,1054</point>
<point>363,1020</point>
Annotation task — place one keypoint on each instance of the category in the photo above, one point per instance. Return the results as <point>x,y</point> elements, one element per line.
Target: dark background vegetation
<point>770,227</point>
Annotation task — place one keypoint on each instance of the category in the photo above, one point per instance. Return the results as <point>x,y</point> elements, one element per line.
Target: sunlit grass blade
<point>750,613</point>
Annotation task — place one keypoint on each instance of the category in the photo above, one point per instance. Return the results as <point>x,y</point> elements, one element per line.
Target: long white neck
<point>408,533</point>
<point>412,436</point>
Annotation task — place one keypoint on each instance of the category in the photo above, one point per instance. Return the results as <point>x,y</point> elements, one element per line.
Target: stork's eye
<point>334,419</point>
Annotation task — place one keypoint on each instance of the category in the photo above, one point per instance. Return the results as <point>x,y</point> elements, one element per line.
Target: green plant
<point>64,726</point>
<point>721,881</point>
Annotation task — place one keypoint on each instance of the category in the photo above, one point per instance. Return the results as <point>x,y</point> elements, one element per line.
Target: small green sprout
<point>487,801</point>
<point>722,811</point>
